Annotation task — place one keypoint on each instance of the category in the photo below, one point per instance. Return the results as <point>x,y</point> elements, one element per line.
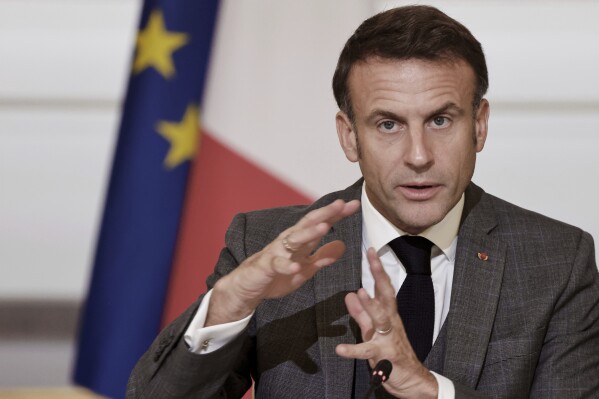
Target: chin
<point>418,220</point>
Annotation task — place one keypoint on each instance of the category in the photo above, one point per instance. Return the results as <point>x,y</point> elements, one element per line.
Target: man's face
<point>415,136</point>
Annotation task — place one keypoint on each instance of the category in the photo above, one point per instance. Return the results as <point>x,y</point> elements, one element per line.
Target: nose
<point>418,154</point>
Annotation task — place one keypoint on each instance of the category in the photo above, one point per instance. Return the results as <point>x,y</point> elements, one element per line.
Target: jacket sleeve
<point>569,361</point>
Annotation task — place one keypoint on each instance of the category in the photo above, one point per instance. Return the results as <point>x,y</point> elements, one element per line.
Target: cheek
<point>372,169</point>
<point>377,161</point>
<point>456,163</point>
<point>466,168</point>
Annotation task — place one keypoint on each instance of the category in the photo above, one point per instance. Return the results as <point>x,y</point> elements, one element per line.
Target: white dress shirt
<point>377,232</point>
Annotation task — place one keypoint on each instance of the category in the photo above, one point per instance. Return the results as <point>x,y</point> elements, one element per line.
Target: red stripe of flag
<point>222,184</point>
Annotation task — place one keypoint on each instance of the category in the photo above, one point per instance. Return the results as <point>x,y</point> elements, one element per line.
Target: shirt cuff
<point>446,387</point>
<point>203,340</point>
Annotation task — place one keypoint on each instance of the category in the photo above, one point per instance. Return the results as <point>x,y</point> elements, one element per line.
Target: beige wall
<point>62,77</point>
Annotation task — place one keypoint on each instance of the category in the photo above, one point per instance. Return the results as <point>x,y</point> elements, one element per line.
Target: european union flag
<point>158,137</point>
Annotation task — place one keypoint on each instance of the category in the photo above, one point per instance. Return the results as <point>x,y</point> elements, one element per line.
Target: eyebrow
<point>447,107</point>
<point>381,113</point>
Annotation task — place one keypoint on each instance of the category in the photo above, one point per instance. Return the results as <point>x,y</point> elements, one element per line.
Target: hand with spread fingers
<point>384,337</point>
<point>281,267</point>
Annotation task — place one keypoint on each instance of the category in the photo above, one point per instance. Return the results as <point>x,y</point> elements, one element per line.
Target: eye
<point>388,126</point>
<point>440,121</point>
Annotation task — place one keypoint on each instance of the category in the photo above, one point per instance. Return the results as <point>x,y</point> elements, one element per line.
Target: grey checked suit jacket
<point>524,323</point>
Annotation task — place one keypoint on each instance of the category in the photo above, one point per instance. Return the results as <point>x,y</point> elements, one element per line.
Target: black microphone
<point>379,374</point>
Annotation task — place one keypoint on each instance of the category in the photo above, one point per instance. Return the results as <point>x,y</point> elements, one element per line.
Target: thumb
<point>328,253</point>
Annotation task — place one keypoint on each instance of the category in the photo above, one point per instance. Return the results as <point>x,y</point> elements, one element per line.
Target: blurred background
<point>63,74</point>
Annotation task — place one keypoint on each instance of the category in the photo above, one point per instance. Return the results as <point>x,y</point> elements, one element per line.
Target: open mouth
<point>419,187</point>
<point>419,192</point>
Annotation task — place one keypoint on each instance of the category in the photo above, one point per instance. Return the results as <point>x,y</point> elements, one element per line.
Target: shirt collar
<point>378,231</point>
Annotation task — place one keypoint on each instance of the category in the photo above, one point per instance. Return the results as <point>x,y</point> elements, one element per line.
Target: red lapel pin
<point>483,256</point>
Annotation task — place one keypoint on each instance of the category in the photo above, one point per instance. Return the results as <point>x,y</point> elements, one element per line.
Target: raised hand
<point>384,337</point>
<point>281,267</point>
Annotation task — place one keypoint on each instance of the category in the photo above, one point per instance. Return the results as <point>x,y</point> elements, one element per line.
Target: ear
<point>481,124</point>
<point>347,136</point>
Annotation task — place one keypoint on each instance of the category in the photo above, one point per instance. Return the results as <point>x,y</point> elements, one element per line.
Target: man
<point>512,304</point>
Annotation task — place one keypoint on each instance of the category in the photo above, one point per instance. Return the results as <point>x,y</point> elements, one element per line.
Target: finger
<point>287,267</point>
<point>383,289</point>
<point>330,213</point>
<point>364,350</point>
<point>378,311</point>
<point>349,209</point>
<point>296,272</point>
<point>308,236</point>
<point>328,253</point>
<point>284,266</point>
<point>301,239</point>
<point>357,312</point>
<point>323,214</point>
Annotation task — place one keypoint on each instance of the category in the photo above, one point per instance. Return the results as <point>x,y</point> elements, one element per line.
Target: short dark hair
<point>411,32</point>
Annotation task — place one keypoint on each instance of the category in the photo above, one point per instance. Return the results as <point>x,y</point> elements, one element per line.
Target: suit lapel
<point>477,280</point>
<point>330,287</point>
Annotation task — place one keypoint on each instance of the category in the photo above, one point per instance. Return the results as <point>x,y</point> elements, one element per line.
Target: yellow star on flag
<point>183,137</point>
<point>155,46</point>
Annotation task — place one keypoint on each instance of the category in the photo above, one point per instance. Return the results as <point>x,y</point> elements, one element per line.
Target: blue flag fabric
<point>157,140</point>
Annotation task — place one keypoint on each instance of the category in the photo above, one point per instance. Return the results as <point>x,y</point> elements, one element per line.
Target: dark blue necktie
<point>416,297</point>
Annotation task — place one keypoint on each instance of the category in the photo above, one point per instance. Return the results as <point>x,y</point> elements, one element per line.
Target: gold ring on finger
<point>384,332</point>
<point>288,246</point>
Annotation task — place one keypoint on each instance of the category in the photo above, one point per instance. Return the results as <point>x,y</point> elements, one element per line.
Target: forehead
<point>410,84</point>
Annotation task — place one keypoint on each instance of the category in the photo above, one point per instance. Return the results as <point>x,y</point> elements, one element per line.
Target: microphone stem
<point>370,391</point>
